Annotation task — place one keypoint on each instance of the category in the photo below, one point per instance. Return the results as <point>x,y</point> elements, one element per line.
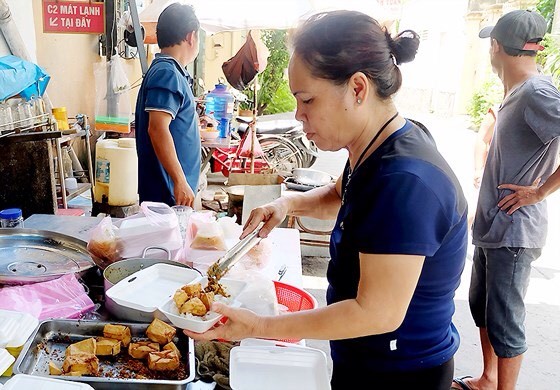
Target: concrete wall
<point>431,81</point>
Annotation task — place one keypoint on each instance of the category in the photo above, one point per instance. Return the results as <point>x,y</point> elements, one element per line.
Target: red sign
<point>73,17</point>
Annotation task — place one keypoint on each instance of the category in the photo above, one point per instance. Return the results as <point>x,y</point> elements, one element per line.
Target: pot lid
<point>30,256</point>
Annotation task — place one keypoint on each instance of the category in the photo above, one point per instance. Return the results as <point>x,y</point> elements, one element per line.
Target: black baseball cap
<point>520,30</point>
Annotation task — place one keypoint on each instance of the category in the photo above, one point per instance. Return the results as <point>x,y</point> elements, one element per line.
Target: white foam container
<point>15,328</point>
<point>199,325</point>
<point>6,360</point>
<point>23,381</point>
<point>147,289</point>
<point>281,368</point>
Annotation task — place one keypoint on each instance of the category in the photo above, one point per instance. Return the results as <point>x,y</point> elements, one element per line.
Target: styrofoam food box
<point>15,328</point>
<point>147,289</point>
<point>6,360</point>
<point>23,381</point>
<point>294,368</point>
<point>199,325</point>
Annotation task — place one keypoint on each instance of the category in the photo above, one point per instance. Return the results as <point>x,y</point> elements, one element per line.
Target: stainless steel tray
<point>30,256</point>
<point>52,337</point>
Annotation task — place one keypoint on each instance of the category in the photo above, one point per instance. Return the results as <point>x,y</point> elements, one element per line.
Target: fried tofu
<point>207,299</point>
<point>85,364</point>
<point>180,297</point>
<point>192,290</point>
<point>86,346</point>
<point>141,349</point>
<point>163,360</point>
<point>107,347</point>
<point>193,306</point>
<point>53,369</point>
<point>118,332</point>
<point>72,373</point>
<point>172,347</point>
<point>160,332</point>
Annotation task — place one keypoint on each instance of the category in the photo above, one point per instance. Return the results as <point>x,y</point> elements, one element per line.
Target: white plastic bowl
<point>311,177</point>
<point>196,324</point>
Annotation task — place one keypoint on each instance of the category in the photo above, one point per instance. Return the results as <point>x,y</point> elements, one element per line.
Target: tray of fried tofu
<point>110,355</point>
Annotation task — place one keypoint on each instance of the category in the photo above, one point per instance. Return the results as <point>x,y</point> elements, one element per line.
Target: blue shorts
<point>499,281</point>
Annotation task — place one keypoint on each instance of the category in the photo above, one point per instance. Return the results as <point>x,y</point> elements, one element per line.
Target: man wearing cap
<point>511,218</point>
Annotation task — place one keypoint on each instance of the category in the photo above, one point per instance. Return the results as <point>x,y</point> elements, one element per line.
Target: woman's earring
<point>359,101</point>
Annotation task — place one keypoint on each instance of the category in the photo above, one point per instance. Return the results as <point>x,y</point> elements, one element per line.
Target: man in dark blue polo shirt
<point>167,135</point>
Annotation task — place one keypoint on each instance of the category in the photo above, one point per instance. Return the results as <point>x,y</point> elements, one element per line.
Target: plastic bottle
<point>219,104</point>
<point>116,172</point>
<point>11,218</point>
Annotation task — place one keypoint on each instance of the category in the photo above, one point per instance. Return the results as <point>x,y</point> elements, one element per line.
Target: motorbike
<point>283,143</point>
<point>284,139</point>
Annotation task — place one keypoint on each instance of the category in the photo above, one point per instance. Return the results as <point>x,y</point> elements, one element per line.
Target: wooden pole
<point>253,125</point>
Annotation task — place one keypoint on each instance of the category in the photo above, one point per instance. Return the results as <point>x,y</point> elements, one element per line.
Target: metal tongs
<point>232,256</point>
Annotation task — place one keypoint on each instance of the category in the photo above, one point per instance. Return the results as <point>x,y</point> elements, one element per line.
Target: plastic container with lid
<point>219,104</point>
<point>11,218</point>
<point>116,172</point>
<point>23,381</point>
<point>15,329</point>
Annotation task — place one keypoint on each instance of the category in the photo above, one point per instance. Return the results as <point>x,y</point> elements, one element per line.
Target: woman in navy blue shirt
<point>399,244</point>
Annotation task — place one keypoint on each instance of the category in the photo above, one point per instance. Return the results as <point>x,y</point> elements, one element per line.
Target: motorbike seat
<point>272,127</point>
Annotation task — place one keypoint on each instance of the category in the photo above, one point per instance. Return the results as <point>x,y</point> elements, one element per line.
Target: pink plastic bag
<point>64,297</point>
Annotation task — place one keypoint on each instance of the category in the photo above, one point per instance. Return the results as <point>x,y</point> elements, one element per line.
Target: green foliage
<point>551,60</point>
<point>489,94</point>
<point>546,9</point>
<point>273,95</point>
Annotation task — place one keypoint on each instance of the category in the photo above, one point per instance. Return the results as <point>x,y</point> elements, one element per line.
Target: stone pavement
<point>541,366</point>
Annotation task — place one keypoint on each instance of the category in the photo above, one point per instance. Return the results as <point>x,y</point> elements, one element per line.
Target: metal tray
<point>52,337</point>
<point>31,256</point>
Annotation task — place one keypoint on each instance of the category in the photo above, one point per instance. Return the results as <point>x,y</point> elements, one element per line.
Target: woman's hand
<point>241,323</point>
<point>272,214</point>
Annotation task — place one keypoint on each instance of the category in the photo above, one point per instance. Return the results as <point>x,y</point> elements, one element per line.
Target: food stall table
<point>285,251</point>
<point>285,243</point>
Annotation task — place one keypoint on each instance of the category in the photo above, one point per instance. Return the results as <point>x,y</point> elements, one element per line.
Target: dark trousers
<point>435,378</point>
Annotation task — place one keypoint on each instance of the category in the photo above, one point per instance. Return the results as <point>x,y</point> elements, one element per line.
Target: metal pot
<point>311,177</point>
<point>119,270</point>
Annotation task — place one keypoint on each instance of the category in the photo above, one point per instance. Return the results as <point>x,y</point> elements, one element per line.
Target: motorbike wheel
<point>281,154</point>
<point>309,159</point>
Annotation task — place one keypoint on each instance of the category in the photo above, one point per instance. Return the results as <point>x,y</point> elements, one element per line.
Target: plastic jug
<point>116,172</point>
<point>219,104</point>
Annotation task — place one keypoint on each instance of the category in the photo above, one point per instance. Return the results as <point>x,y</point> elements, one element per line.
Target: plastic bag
<point>258,257</point>
<point>64,297</point>
<point>209,235</point>
<point>21,77</point>
<point>112,90</point>
<point>260,293</point>
<point>104,243</point>
<point>231,229</point>
<point>155,225</point>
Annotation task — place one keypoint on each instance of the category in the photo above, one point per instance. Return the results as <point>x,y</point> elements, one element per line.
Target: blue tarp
<point>22,77</point>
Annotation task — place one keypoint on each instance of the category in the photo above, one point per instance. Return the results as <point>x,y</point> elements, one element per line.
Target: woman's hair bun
<point>404,46</point>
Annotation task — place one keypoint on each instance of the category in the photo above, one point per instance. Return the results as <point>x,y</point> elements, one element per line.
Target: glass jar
<point>11,218</point>
<point>25,115</point>
<point>6,118</point>
<point>38,109</point>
